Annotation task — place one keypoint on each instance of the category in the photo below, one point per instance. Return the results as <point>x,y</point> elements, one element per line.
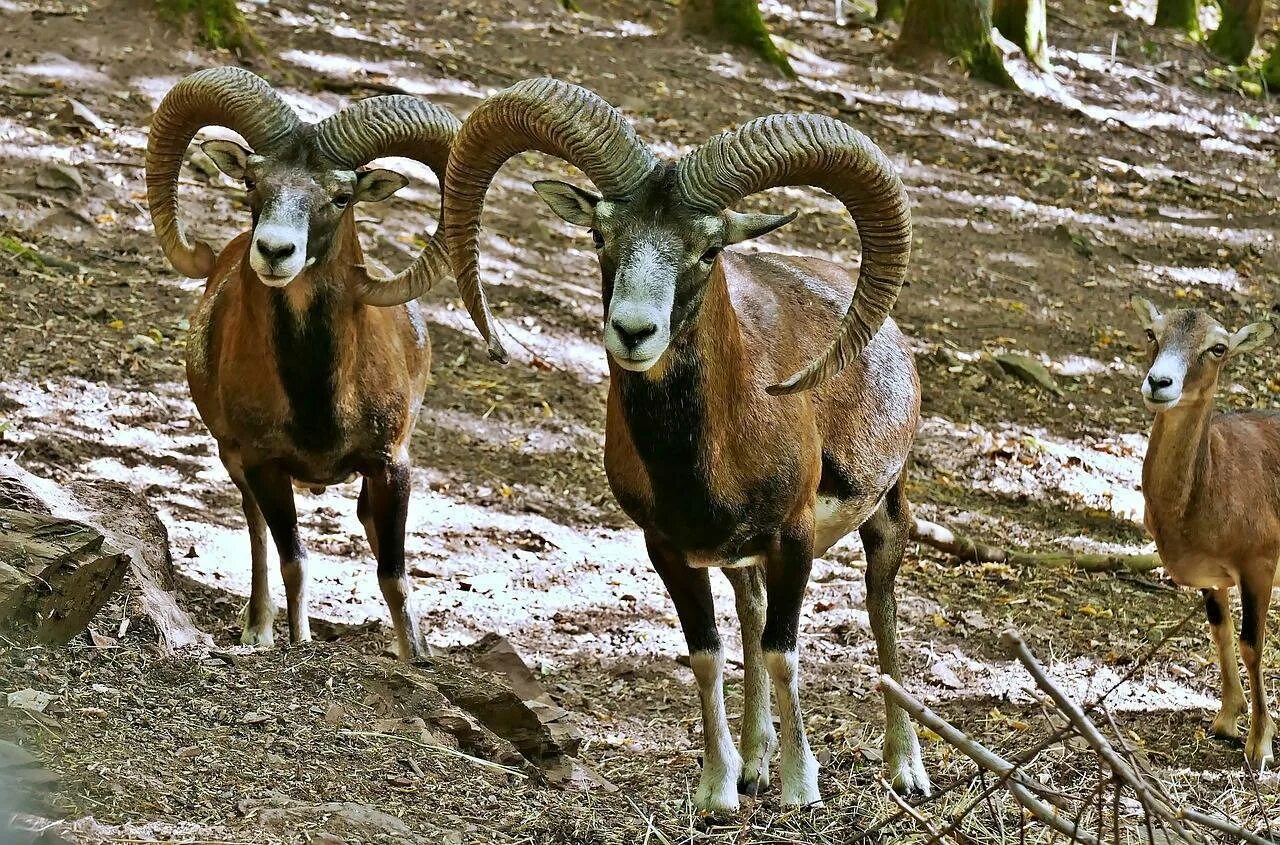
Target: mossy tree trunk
<point>1025,23</point>
<point>1233,40</point>
<point>890,10</point>
<point>1271,70</point>
<point>1182,15</point>
<point>735,22</point>
<point>218,23</point>
<point>954,29</point>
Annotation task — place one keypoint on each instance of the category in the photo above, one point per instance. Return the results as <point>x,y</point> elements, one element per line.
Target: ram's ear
<point>1148,315</point>
<point>570,203</point>
<point>231,158</point>
<point>1250,337</point>
<point>377,185</point>
<point>744,227</point>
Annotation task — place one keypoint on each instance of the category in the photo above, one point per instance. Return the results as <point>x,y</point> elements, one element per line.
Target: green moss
<point>1024,22</point>
<point>1231,43</point>
<point>735,22</point>
<point>1271,71</point>
<point>890,10</point>
<point>1182,15</point>
<point>218,23</point>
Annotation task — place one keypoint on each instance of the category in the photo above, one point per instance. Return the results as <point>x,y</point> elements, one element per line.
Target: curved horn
<point>788,149</point>
<point>221,96</point>
<point>394,126</point>
<point>538,114</point>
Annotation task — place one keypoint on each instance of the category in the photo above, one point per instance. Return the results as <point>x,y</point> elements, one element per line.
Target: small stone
<point>56,176</point>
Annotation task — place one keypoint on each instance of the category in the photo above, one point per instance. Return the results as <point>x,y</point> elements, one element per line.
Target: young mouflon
<point>1211,483</point>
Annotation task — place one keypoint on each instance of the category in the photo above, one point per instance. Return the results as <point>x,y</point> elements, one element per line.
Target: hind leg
<point>786,578</point>
<point>273,490</point>
<point>1255,599</point>
<point>884,540</point>
<point>388,502</point>
<point>364,512</point>
<point>260,613</point>
<point>759,740</point>
<point>1217,608</point>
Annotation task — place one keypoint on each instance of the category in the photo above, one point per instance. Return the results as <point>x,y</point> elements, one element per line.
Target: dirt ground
<point>1144,168</point>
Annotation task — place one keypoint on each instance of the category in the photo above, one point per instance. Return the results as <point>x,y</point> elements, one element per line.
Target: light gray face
<point>296,208</point>
<point>655,259</point>
<point>1186,350</point>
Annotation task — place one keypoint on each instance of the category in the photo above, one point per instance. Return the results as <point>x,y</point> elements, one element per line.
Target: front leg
<point>1217,609</point>
<point>273,490</point>
<point>388,503</point>
<point>690,591</point>
<point>1255,598</point>
<point>786,578</point>
<point>884,541</point>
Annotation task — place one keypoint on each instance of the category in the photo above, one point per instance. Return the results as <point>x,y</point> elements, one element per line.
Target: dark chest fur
<point>306,360</point>
<point>667,421</point>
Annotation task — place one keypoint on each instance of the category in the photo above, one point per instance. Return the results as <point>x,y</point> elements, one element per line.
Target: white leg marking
<point>721,765</point>
<point>902,756</point>
<point>294,573</point>
<point>404,618</point>
<point>759,739</point>
<point>799,766</point>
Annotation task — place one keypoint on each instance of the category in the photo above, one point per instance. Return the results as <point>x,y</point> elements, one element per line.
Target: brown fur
<point>1211,484</point>
<point>762,319</point>
<point>380,359</point>
<point>383,368</point>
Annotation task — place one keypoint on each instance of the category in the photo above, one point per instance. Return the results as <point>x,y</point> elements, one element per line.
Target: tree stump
<point>65,550</point>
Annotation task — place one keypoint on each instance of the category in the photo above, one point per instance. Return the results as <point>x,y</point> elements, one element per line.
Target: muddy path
<point>1036,218</point>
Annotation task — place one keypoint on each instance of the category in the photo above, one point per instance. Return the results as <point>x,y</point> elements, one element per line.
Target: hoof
<point>1225,728</point>
<point>752,788</point>
<point>716,801</point>
<point>1258,750</point>
<point>255,638</point>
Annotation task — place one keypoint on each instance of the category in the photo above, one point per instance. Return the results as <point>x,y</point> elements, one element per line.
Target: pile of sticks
<point>1160,817</point>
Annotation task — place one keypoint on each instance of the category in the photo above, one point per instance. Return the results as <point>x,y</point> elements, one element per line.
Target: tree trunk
<point>55,575</point>
<point>735,22</point>
<point>890,10</point>
<point>1271,70</point>
<point>65,550</point>
<point>1025,23</point>
<point>1233,40</point>
<point>218,23</point>
<point>1182,15</point>
<point>954,29</point>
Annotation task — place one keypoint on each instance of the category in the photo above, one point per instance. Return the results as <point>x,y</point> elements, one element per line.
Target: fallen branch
<point>971,551</point>
<point>965,744</point>
<point>1120,768</point>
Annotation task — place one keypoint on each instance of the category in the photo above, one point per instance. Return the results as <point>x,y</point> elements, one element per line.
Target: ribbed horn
<point>223,96</point>
<point>538,114</point>
<point>789,150</point>
<point>394,126</point>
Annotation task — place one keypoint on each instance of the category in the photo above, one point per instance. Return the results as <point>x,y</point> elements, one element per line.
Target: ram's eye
<point>250,184</point>
<point>1151,336</point>
<point>597,238</point>
<point>342,200</point>
<point>1218,350</point>
<point>710,255</point>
